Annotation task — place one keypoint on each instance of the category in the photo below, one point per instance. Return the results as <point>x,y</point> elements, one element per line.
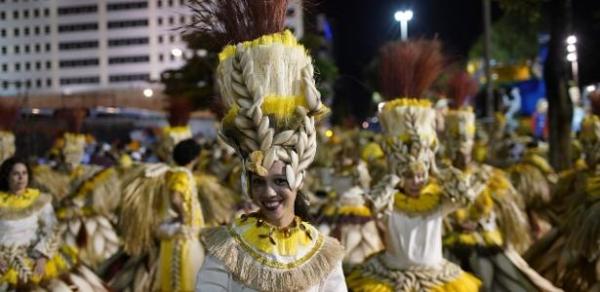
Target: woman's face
<point>273,195</point>
<point>414,182</point>
<point>18,179</point>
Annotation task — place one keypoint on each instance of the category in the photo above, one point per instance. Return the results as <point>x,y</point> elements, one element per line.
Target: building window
<point>171,57</point>
<point>161,57</point>
<point>127,42</point>
<point>18,84</point>
<point>37,48</point>
<point>4,84</point>
<point>2,15</point>
<point>127,23</point>
<point>26,49</point>
<point>171,38</point>
<point>3,50</point>
<point>36,30</point>
<point>36,12</point>
<point>81,45</point>
<point>47,47</point>
<point>28,84</point>
<point>65,28</point>
<point>129,78</point>
<point>46,12</point>
<point>182,19</point>
<point>170,3</point>
<point>78,63</point>
<point>17,49</point>
<point>160,21</point>
<point>26,13</point>
<point>160,39</point>
<point>171,20</point>
<point>17,67</point>
<point>4,67</point>
<point>127,5</point>
<point>159,3</point>
<point>16,31</point>
<point>128,59</point>
<point>16,14</point>
<point>38,65</point>
<point>47,29</point>
<point>26,31</point>
<point>48,82</point>
<point>27,66</point>
<point>38,83</point>
<point>80,80</point>
<point>77,10</point>
<point>3,32</point>
<point>48,65</point>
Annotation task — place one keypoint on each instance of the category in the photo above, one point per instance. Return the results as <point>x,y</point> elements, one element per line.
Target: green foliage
<point>193,81</point>
<point>514,37</point>
<point>326,72</point>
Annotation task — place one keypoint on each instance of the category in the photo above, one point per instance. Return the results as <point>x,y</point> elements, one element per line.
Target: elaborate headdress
<point>266,82</point>
<point>407,69</point>
<point>177,130</point>
<point>72,143</point>
<point>8,116</point>
<point>460,119</point>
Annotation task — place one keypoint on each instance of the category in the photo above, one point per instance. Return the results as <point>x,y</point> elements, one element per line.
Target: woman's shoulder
<point>16,207</point>
<point>293,258</point>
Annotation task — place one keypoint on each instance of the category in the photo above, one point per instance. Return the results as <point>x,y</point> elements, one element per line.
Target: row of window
<point>25,14</point>
<point>79,45</point>
<point>35,48</point>
<point>27,66</point>
<point>27,83</point>
<point>27,31</point>
<point>39,83</point>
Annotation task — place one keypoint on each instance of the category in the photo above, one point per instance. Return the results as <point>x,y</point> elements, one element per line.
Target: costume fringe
<point>217,200</point>
<point>252,273</point>
<point>12,214</point>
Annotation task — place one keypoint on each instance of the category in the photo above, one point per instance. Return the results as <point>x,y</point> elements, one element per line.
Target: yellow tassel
<point>406,102</point>
<point>359,283</point>
<point>463,283</point>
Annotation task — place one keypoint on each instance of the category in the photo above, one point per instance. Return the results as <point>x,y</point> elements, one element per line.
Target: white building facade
<point>64,47</point>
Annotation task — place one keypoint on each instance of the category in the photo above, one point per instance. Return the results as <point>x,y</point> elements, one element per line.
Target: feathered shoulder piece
<point>266,81</point>
<point>406,71</point>
<point>8,116</point>
<point>590,129</point>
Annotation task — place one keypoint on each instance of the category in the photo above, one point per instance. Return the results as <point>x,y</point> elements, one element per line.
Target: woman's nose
<point>270,191</point>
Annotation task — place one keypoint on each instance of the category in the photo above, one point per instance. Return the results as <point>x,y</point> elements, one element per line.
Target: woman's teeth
<point>272,204</point>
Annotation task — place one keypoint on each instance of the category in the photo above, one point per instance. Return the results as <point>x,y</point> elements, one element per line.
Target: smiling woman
<point>266,81</point>
<point>31,254</point>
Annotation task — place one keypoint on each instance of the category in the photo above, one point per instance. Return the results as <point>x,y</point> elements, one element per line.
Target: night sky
<point>360,27</point>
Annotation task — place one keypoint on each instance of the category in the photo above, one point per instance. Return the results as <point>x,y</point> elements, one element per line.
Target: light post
<point>572,57</point>
<point>403,16</point>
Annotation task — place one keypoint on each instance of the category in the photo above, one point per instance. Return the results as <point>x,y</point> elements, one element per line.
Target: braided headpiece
<point>460,119</point>
<point>407,69</point>
<point>268,89</point>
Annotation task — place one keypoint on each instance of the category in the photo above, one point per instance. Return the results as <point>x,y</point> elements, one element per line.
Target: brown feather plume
<point>407,69</point>
<point>179,110</point>
<point>73,117</point>
<point>461,88</point>
<point>9,114</point>
<point>223,22</point>
<point>595,102</point>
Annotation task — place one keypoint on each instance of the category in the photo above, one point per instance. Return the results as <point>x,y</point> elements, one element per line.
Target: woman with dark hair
<point>267,82</point>
<point>31,254</point>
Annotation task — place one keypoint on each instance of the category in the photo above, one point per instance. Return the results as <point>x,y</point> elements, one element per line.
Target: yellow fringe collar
<point>426,203</point>
<point>285,38</point>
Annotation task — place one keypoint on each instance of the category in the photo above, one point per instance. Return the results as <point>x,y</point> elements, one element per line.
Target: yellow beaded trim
<point>8,200</point>
<point>406,102</point>
<point>254,250</point>
<point>285,38</point>
<point>429,199</point>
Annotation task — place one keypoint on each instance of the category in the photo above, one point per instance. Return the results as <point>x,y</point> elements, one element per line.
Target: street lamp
<point>403,16</point>
<point>572,57</point>
<point>177,52</point>
<point>148,92</point>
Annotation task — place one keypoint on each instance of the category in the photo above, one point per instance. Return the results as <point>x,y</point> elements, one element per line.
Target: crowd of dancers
<point>281,202</point>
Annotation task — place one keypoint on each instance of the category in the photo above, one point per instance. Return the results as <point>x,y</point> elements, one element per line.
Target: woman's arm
<point>45,244</point>
<point>213,277</point>
<point>335,282</point>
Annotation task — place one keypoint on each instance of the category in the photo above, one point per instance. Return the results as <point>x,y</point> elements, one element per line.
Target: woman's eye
<point>281,182</point>
<point>257,181</point>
